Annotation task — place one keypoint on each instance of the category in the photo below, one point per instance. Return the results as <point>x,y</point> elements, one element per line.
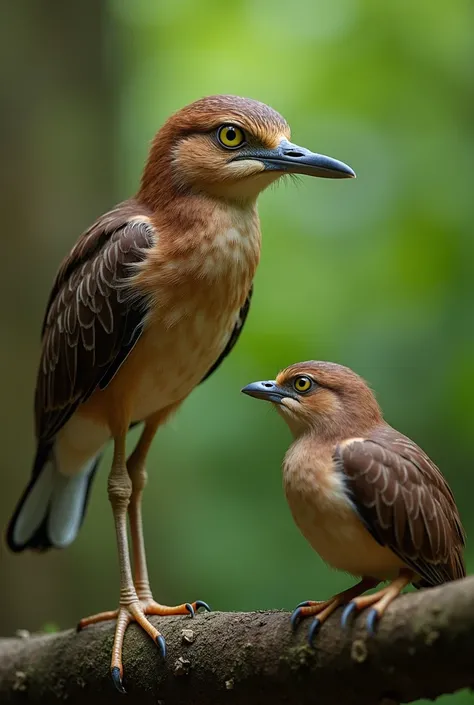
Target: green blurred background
<point>375,273</point>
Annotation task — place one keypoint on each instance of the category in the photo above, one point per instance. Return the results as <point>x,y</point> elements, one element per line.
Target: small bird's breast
<point>322,510</point>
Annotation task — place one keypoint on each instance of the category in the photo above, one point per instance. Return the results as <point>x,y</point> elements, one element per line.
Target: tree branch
<point>424,647</point>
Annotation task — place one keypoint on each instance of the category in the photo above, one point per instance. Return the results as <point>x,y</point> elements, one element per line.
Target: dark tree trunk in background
<point>57,147</point>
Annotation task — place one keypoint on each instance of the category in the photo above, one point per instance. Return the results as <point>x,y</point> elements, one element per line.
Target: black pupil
<point>302,382</point>
<point>231,134</point>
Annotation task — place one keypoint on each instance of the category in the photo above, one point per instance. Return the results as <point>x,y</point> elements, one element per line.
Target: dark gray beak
<point>291,159</point>
<point>269,391</point>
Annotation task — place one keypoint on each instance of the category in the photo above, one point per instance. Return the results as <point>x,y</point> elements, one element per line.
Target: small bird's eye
<point>231,136</point>
<point>302,384</point>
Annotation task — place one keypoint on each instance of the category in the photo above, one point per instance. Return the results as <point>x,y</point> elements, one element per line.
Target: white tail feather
<point>35,506</point>
<point>58,498</point>
<point>67,506</point>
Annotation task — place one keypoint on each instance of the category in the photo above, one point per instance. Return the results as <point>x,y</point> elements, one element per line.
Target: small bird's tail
<point>52,508</point>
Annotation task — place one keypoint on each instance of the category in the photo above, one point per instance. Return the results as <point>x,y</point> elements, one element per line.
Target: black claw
<point>371,622</point>
<point>200,603</point>
<point>313,630</point>
<point>296,618</point>
<point>305,603</point>
<point>161,644</point>
<point>190,609</point>
<point>347,613</point>
<point>117,679</point>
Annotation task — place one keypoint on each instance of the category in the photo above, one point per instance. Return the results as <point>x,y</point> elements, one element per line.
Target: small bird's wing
<point>93,318</point>
<point>405,503</point>
<point>243,313</point>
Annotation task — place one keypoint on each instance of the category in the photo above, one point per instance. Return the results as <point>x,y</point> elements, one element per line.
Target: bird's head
<point>324,398</point>
<point>230,148</point>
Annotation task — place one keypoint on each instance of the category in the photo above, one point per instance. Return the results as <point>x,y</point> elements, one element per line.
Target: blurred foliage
<point>375,273</point>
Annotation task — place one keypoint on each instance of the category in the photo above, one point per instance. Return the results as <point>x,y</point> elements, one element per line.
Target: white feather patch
<point>67,506</point>
<point>35,506</point>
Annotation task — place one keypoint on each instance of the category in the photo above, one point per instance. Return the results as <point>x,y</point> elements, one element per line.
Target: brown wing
<point>93,319</point>
<point>405,503</point>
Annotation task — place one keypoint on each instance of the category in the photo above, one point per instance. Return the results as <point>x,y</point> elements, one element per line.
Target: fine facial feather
<point>343,406</point>
<point>183,154</point>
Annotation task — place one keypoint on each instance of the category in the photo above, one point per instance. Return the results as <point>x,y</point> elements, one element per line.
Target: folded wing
<point>94,317</point>
<point>405,503</point>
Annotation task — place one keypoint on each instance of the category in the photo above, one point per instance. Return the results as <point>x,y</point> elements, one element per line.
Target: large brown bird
<point>367,498</point>
<point>148,303</point>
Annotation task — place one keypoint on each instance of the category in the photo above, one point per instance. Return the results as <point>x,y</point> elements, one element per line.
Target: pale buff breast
<point>323,512</point>
<point>193,316</point>
<point>175,359</point>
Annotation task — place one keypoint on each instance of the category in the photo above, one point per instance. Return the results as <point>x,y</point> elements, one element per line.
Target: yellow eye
<point>302,384</point>
<point>230,136</point>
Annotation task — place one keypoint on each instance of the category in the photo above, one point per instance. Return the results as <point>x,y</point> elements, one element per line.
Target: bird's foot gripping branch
<point>138,612</point>
<point>422,649</point>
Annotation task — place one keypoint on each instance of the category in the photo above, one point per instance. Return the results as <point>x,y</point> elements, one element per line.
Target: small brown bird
<point>367,498</point>
<point>146,306</point>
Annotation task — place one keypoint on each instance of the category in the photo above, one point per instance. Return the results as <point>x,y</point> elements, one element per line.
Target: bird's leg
<point>378,601</point>
<point>325,608</point>
<point>120,490</point>
<point>138,475</point>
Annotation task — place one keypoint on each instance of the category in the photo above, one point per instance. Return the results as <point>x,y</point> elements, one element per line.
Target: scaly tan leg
<point>120,490</point>
<point>325,608</point>
<point>126,484</point>
<point>379,601</point>
<point>138,476</point>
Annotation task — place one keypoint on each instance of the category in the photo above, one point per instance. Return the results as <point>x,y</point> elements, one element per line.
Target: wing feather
<point>93,318</point>
<point>405,503</point>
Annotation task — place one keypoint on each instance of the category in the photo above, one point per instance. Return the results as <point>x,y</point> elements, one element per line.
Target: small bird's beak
<point>292,159</point>
<point>269,391</point>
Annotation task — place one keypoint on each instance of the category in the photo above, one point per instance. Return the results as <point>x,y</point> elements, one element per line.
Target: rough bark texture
<point>424,647</point>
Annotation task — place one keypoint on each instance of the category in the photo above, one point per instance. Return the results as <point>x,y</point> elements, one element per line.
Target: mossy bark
<point>424,647</point>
